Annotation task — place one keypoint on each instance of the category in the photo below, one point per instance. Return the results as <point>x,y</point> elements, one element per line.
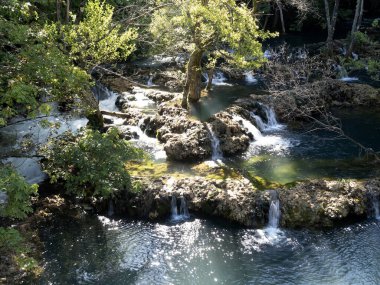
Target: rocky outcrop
<point>233,137</point>
<point>231,199</point>
<point>311,204</point>
<point>183,138</point>
<point>326,203</point>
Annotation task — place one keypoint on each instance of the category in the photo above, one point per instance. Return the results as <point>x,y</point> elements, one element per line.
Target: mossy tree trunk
<point>192,91</point>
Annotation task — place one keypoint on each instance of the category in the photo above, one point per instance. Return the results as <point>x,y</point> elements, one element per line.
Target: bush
<point>90,164</point>
<point>18,193</point>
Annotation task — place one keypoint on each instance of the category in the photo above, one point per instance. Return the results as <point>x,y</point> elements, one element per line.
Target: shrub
<point>90,164</point>
<point>18,192</point>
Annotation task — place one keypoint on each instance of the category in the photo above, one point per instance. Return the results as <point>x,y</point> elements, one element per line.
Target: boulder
<point>233,137</point>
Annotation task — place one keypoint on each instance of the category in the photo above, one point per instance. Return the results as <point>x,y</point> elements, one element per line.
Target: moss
<point>220,172</point>
<point>261,183</point>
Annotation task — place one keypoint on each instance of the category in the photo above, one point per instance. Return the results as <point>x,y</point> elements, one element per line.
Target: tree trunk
<point>67,11</point>
<point>355,26</point>
<point>279,5</point>
<point>192,92</point>
<point>58,6</point>
<point>331,22</point>
<point>210,74</point>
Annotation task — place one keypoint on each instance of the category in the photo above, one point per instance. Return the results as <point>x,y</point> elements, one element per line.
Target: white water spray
<point>249,78</point>
<point>274,211</point>
<point>215,144</point>
<point>249,126</point>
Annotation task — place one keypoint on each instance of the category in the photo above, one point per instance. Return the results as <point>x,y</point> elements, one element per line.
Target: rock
<point>184,137</point>
<point>194,144</point>
<point>310,204</point>
<point>231,199</point>
<point>233,137</point>
<point>326,203</point>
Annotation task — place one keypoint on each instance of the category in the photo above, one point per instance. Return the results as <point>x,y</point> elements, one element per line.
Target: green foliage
<point>96,38</point>
<point>373,68</point>
<point>33,70</point>
<point>362,39</point>
<point>92,163</point>
<point>13,243</point>
<point>210,26</point>
<point>376,23</point>
<point>19,194</point>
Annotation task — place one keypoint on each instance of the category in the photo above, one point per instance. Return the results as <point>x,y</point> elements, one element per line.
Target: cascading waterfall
<point>249,126</point>
<point>259,122</point>
<point>272,123</point>
<point>215,144</point>
<point>183,212</point>
<point>183,209</point>
<point>343,75</point>
<point>217,79</point>
<point>150,81</point>
<point>274,211</point>
<point>174,208</point>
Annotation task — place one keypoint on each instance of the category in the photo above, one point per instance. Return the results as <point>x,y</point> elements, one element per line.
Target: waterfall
<point>215,144</point>
<point>259,122</point>
<point>272,123</point>
<point>174,208</point>
<point>343,75</point>
<point>249,78</point>
<point>108,103</point>
<point>183,213</point>
<point>249,126</point>
<point>274,211</point>
<point>150,81</point>
<point>183,210</point>
<point>217,79</point>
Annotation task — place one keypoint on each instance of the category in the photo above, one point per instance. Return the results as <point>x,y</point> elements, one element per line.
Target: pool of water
<point>96,250</point>
<point>285,156</point>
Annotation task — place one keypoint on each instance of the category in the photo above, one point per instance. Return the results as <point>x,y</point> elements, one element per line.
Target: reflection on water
<point>101,251</point>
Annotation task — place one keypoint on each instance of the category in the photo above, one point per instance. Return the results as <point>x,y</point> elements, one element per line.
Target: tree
<point>221,28</point>
<point>355,25</point>
<point>331,22</point>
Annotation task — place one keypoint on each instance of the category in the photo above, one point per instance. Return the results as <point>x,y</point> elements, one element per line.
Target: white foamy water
<point>218,79</point>
<point>349,79</point>
<point>250,78</point>
<point>249,126</point>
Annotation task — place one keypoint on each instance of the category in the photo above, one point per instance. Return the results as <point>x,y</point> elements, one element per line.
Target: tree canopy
<point>221,28</point>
